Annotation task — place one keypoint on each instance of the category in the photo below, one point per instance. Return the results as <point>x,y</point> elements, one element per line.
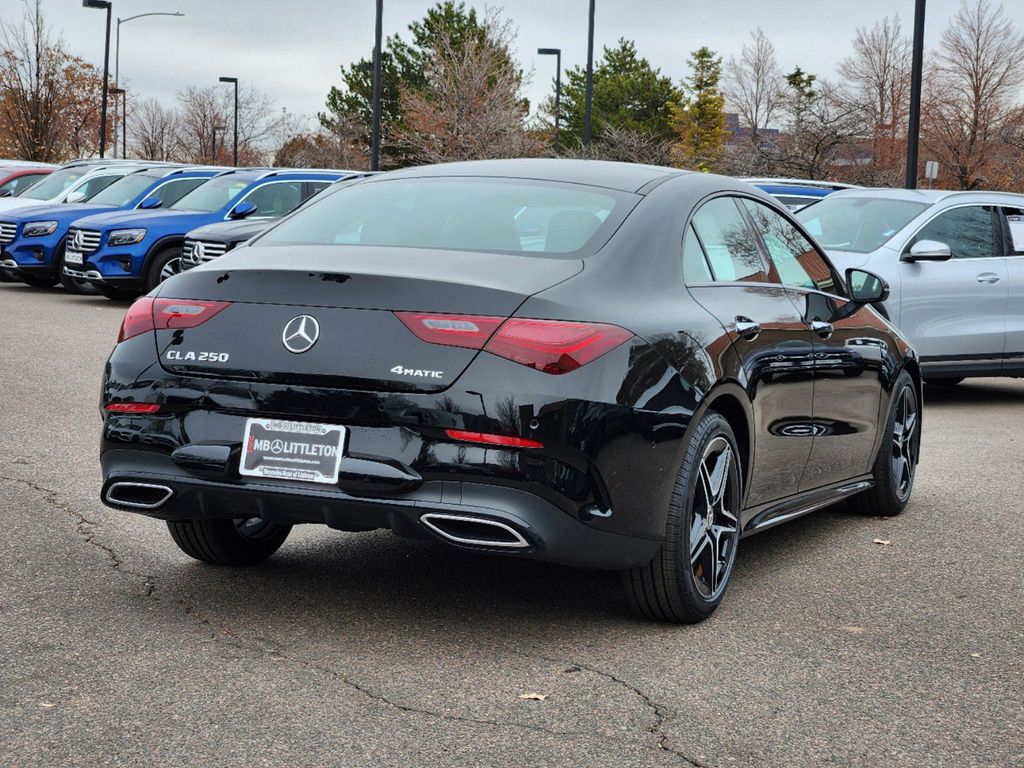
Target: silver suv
<point>955,265</point>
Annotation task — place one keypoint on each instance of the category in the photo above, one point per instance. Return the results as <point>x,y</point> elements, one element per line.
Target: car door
<point>954,311</point>
<point>850,344</point>
<point>1013,350</point>
<point>726,273</point>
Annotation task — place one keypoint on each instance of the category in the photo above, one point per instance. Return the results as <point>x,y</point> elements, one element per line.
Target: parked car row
<point>118,227</point>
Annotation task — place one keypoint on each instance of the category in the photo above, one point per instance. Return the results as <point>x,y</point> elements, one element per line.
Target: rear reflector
<point>551,346</point>
<point>487,439</point>
<point>148,314</point>
<point>132,407</point>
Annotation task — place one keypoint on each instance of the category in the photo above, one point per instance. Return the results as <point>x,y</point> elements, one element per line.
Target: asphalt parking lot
<point>364,649</point>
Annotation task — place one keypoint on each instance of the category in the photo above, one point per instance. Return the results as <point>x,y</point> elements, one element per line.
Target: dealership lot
<point>842,641</point>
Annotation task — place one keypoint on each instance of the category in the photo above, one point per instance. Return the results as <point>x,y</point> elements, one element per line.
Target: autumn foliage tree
<point>49,99</point>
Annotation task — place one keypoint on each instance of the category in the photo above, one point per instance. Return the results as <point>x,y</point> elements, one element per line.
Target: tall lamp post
<point>235,81</point>
<point>557,53</point>
<point>103,5</point>
<point>916,74</point>
<point>375,130</point>
<point>590,82</point>
<point>117,66</point>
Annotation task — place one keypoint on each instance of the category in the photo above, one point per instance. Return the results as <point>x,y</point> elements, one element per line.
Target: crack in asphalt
<point>87,531</point>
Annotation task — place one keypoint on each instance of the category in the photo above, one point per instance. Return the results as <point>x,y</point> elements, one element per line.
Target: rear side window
<point>729,243</point>
<point>92,187</point>
<point>1015,230</point>
<point>970,232</point>
<point>794,256</point>
<point>20,184</point>
<point>695,265</point>
<point>491,215</point>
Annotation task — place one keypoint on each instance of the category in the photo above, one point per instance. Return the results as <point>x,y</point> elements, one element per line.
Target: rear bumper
<point>453,511</point>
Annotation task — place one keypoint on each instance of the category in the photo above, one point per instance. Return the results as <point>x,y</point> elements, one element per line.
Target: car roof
<point>792,189</point>
<point>806,183</point>
<point>931,196</point>
<point>626,177</point>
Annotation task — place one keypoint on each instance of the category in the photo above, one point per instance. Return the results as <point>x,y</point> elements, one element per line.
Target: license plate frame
<point>74,258</point>
<point>283,449</point>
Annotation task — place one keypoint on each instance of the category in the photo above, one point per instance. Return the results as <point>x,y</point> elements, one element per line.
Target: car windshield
<point>123,191</point>
<point>213,195</point>
<point>466,214</point>
<point>51,186</point>
<point>858,224</point>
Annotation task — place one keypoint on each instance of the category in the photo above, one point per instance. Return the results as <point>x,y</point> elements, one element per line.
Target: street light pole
<point>117,65</point>
<point>123,94</point>
<point>235,81</point>
<point>215,129</point>
<point>587,110</point>
<point>557,53</point>
<point>916,75</point>
<point>375,130</point>
<point>103,5</point>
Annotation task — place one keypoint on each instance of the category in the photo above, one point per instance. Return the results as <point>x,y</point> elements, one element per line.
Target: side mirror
<point>242,210</point>
<point>7,193</point>
<point>866,287</point>
<point>75,197</point>
<point>928,250</point>
<point>150,203</point>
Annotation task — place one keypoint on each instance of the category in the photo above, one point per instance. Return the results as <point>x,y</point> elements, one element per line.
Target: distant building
<point>738,134</point>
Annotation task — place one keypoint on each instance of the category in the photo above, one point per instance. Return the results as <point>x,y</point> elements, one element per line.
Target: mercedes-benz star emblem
<point>300,334</point>
<point>76,241</point>
<point>198,250</point>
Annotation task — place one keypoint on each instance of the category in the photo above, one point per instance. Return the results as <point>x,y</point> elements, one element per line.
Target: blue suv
<point>131,252</point>
<point>35,239</point>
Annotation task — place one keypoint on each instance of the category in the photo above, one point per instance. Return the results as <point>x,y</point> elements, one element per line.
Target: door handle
<point>988,277</point>
<point>747,328</point>
<point>821,328</point>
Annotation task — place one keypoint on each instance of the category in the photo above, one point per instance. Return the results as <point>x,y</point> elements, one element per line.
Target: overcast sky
<point>291,49</point>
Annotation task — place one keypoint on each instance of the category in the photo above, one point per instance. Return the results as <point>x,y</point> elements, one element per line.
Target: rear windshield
<point>463,214</point>
<point>213,195</point>
<point>50,186</point>
<point>858,224</point>
<point>124,190</point>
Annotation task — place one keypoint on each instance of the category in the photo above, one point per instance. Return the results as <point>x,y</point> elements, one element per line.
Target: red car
<point>15,179</point>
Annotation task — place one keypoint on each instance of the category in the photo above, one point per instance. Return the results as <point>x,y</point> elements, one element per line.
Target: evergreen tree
<point>699,121</point>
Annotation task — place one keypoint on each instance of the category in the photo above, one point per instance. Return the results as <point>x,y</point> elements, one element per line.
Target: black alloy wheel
<point>687,579</point>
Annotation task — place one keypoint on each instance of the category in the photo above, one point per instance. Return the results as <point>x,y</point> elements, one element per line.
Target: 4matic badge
<point>418,373</point>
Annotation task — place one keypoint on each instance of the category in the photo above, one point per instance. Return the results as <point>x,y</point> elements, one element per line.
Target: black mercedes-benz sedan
<point>599,364</point>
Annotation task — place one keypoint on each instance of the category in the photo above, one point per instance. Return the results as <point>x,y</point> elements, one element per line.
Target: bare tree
<point>820,126</point>
<point>754,84</point>
<point>49,100</point>
<point>471,106</point>
<point>627,146</point>
<point>877,83</point>
<point>978,70</point>
<point>324,149</point>
<point>154,131</point>
<point>203,109</point>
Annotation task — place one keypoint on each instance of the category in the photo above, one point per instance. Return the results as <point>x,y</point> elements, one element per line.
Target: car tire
<point>950,382</point>
<point>163,266</point>
<point>677,585</point>
<point>896,463</point>
<point>6,276</point>
<point>72,284</point>
<point>228,542</point>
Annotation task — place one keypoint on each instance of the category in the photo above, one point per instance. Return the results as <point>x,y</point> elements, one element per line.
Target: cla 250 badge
<point>199,357</point>
<point>419,373</point>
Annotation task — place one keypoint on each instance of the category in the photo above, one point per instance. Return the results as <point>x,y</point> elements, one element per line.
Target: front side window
<point>728,242</point>
<point>275,199</point>
<point>92,187</point>
<point>794,256</point>
<point>489,215</point>
<point>970,232</point>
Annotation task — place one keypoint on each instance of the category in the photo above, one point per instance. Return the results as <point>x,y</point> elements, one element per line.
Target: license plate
<point>73,257</point>
<point>292,450</point>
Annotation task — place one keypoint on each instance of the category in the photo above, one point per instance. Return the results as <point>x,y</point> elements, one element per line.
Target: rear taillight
<point>552,346</point>
<point>148,314</point>
<point>132,407</point>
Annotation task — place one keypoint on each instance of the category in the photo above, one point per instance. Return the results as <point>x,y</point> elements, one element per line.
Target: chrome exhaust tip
<point>474,531</point>
<point>137,495</point>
